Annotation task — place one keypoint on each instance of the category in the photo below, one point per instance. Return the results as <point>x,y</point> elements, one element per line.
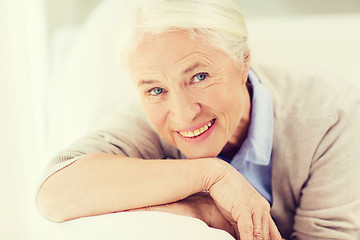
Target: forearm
<point>200,206</point>
<point>103,183</point>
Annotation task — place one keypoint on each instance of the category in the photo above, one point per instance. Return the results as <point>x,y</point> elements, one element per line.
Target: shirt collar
<point>257,146</point>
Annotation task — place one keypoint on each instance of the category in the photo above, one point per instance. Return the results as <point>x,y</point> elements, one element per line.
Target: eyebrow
<point>187,70</point>
<point>193,67</point>
<point>146,82</point>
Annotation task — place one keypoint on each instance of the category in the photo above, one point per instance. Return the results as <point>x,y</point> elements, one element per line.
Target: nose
<point>183,107</point>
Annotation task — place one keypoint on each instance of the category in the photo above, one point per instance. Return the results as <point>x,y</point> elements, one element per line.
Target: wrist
<point>214,171</point>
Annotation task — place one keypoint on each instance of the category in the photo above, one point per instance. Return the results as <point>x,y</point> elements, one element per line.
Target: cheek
<point>228,105</point>
<point>156,115</point>
<point>225,99</point>
<point>152,114</point>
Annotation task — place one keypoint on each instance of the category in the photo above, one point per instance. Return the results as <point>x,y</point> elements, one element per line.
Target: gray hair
<point>218,21</point>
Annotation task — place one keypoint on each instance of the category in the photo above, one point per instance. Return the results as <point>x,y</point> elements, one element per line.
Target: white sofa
<point>87,83</point>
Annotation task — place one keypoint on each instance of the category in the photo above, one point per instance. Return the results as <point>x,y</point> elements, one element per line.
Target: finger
<point>266,226</point>
<point>236,229</point>
<point>257,225</point>
<point>245,226</point>
<point>274,232</point>
<point>219,222</point>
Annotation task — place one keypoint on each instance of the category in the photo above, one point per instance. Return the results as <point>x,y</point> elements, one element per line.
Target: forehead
<point>174,50</point>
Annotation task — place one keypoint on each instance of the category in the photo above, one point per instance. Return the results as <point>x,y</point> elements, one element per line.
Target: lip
<point>199,138</point>
<point>193,128</point>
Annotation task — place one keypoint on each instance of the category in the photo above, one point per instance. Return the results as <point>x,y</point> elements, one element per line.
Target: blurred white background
<point>57,68</point>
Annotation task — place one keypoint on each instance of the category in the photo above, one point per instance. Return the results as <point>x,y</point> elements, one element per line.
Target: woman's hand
<point>200,206</point>
<point>241,204</point>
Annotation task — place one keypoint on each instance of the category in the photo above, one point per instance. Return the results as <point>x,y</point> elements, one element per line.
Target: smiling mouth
<point>197,132</point>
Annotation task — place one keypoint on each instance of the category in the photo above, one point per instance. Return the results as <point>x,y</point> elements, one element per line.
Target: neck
<point>233,145</point>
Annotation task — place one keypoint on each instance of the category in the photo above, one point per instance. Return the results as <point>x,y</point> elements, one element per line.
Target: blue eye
<point>156,91</point>
<point>200,77</point>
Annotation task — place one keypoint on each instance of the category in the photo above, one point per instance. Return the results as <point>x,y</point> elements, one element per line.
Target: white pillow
<point>138,226</point>
<point>90,83</point>
<point>329,43</point>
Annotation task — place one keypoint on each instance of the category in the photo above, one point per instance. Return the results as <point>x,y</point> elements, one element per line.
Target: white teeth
<point>198,131</point>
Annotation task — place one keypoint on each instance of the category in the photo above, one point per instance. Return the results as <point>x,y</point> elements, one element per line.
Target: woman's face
<point>193,93</point>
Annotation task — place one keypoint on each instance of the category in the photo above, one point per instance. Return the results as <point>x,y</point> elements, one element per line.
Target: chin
<point>196,154</point>
<point>194,151</point>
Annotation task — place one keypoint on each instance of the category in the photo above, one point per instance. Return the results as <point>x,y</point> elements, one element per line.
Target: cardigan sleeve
<point>329,206</point>
<point>126,133</point>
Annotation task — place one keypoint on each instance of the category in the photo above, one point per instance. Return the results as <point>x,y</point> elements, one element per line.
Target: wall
<point>75,11</point>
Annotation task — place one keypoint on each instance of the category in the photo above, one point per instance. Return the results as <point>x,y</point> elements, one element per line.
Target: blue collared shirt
<point>253,160</point>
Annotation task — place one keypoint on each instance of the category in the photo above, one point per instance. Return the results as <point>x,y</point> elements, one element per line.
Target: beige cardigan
<point>316,152</point>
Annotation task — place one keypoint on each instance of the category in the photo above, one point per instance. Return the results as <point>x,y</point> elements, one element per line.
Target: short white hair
<point>219,21</point>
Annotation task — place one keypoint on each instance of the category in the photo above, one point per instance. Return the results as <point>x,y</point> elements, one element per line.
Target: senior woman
<point>240,148</point>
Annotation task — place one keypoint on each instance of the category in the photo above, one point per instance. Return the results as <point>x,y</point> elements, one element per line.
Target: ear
<point>245,67</point>
<point>246,58</point>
